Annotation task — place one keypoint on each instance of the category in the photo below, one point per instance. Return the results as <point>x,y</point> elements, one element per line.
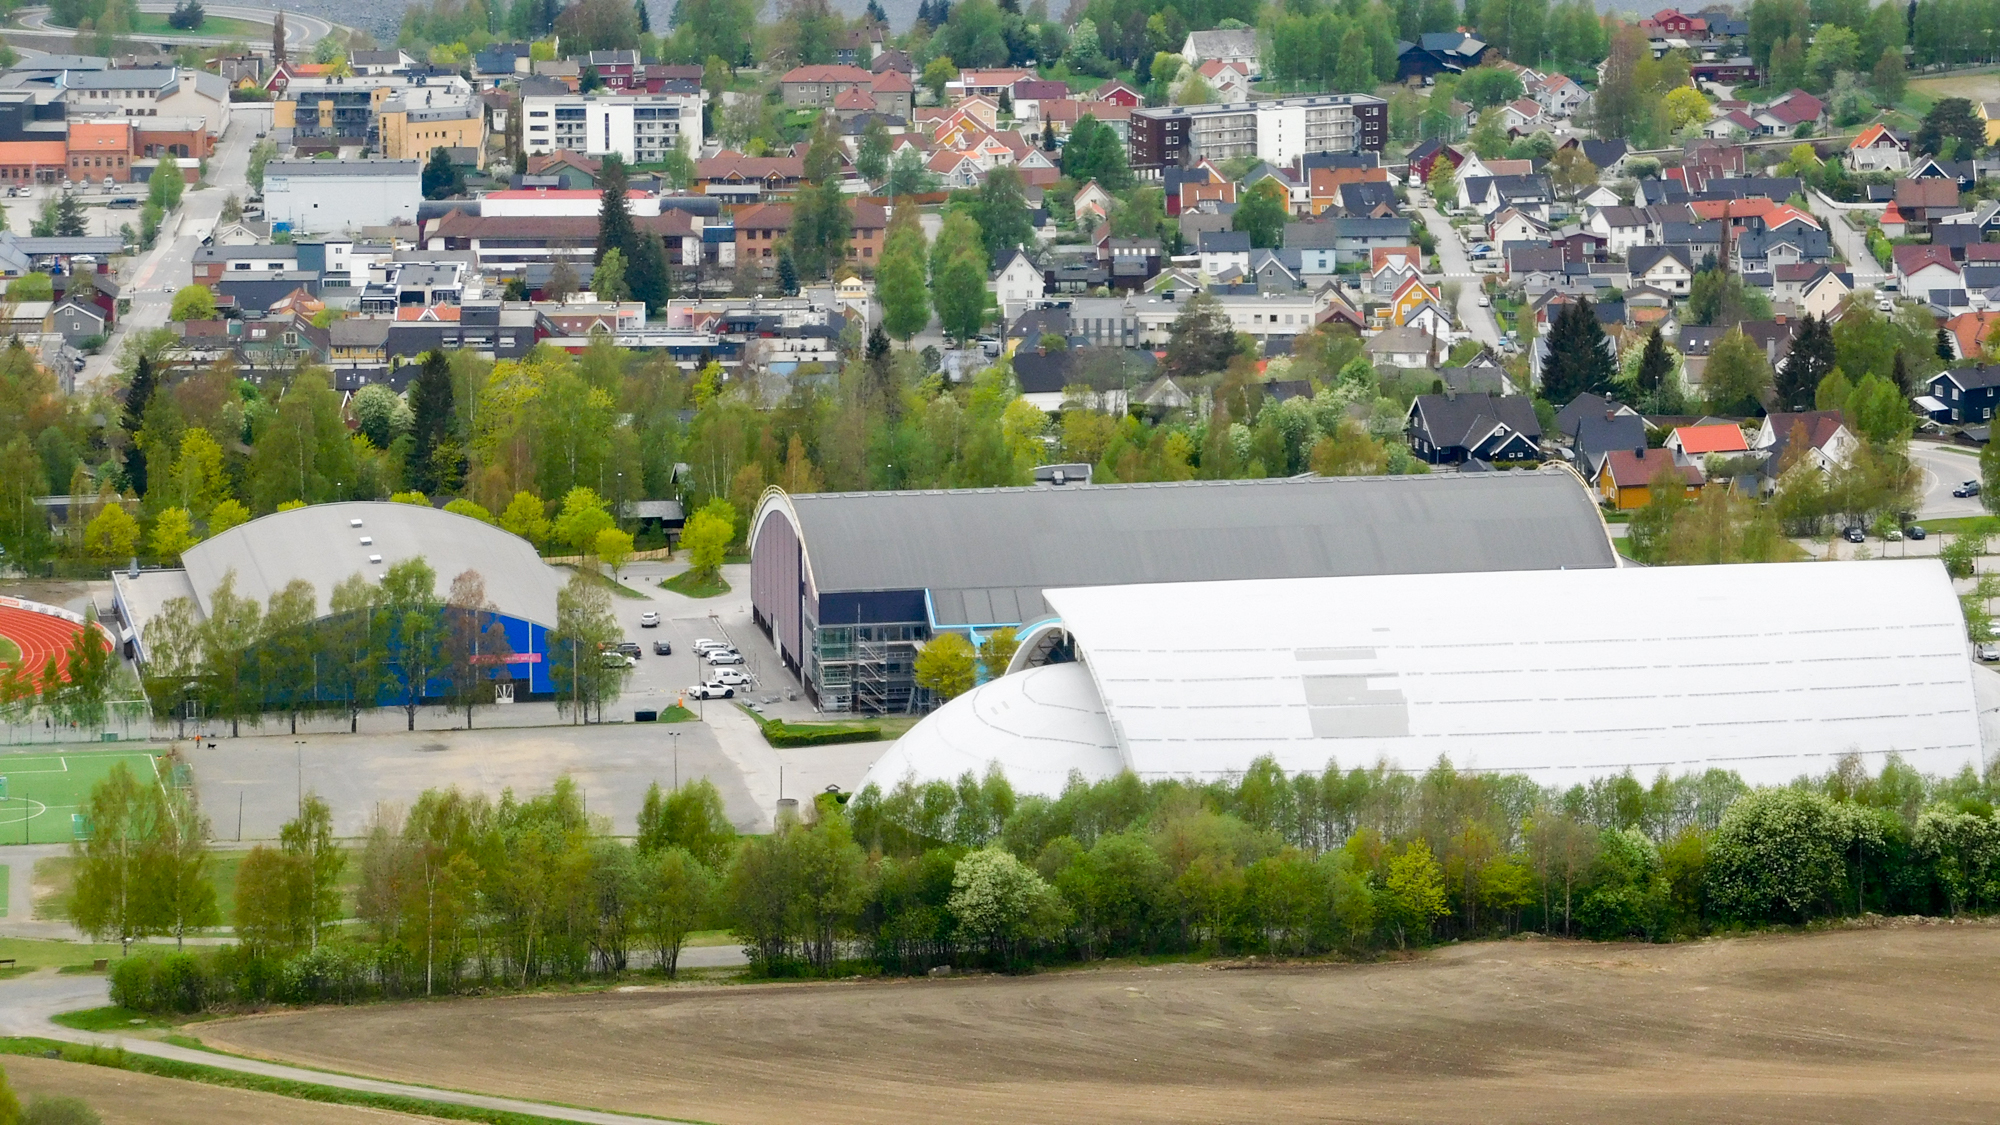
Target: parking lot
<point>100,219</point>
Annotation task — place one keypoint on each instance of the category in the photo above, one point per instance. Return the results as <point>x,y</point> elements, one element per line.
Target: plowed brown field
<point>1891,1024</point>
<point>122,1097</point>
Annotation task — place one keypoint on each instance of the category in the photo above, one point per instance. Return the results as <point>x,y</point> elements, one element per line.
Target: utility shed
<point>849,585</point>
<point>1771,671</point>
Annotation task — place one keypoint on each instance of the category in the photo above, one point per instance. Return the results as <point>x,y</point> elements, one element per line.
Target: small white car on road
<point>720,657</point>
<point>711,690</point>
<point>734,677</point>
<point>649,620</point>
<point>701,646</point>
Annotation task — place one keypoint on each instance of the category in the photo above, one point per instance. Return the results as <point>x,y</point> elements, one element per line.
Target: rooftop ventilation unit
<point>375,558</point>
<point>354,523</point>
<point>368,541</point>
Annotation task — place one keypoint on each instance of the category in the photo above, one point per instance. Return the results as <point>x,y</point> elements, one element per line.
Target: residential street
<point>1944,467</point>
<point>1451,256</point>
<point>151,281</point>
<point>1850,243</point>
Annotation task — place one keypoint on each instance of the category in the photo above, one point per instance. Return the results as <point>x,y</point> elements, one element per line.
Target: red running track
<point>39,636</point>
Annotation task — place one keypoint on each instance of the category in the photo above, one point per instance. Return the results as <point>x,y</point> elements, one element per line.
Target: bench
<point>6,962</point>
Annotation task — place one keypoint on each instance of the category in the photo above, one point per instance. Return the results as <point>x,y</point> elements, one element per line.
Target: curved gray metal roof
<point>986,555</point>
<point>320,544</point>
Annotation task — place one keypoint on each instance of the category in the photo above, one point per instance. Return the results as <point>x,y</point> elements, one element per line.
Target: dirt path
<point>1862,1026</point>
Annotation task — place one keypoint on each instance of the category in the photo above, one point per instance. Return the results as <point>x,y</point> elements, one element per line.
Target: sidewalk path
<point>27,1003</point>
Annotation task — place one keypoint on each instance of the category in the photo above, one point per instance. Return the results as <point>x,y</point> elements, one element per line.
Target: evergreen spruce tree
<point>137,397</point>
<point>1577,362</point>
<point>645,17</point>
<point>646,274</point>
<point>431,421</point>
<point>788,273</point>
<point>614,217</point>
<point>1811,359</point>
<point>69,217</point>
<point>1654,366</point>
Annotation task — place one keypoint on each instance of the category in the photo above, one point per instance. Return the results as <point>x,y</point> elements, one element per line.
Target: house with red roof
<point>1972,332</point>
<point>1522,115</point>
<point>1626,480</point>
<point>1784,115</point>
<point>1558,95</point>
<point>1700,441</point>
<point>1878,148</point>
<point>1230,79</point>
<point>1894,225</point>
<point>1820,437</point>
<point>1671,22</point>
<point>1922,270</point>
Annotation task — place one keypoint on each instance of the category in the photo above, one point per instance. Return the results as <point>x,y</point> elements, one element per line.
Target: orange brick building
<point>33,162</point>
<point>100,149</point>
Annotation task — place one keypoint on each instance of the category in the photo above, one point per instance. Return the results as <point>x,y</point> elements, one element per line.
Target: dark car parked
<point>663,648</point>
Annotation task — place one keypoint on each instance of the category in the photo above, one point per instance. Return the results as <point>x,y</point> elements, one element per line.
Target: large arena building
<point>326,544</point>
<point>849,585</point>
<point>1772,671</point>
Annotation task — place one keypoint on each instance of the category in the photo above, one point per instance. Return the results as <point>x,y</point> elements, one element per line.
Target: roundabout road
<point>301,31</point>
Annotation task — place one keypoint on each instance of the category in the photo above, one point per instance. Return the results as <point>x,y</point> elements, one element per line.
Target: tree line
<point>387,642</point>
<point>461,892</point>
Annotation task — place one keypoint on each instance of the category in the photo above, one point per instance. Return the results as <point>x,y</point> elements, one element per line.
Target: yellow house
<point>1411,294</point>
<point>1989,112</point>
<point>1626,480</point>
<point>411,132</point>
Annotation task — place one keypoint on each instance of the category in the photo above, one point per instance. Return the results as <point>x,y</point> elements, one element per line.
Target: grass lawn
<point>53,874</point>
<point>776,731</point>
<point>676,714</point>
<point>221,27</point>
<point>686,585</point>
<point>43,790</point>
<point>37,953</point>
<point>604,580</point>
<point>1962,525</point>
<point>10,653</point>
<point>108,1019</point>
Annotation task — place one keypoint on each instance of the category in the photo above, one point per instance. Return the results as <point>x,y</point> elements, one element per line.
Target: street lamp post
<point>676,736</point>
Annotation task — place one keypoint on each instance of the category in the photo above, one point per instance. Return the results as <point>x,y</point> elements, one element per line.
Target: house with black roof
<point>1963,395</point>
<point>1438,52</point>
<point>1595,427</point>
<point>1453,429</point>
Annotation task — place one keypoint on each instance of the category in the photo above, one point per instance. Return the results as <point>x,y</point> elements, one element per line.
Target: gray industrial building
<point>848,586</point>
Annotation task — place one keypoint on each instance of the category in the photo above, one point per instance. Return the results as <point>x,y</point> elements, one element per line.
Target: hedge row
<point>778,733</point>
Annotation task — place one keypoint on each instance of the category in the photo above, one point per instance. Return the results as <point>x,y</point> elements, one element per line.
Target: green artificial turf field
<point>43,790</point>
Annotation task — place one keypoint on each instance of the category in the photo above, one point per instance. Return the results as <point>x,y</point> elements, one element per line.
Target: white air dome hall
<point>1771,670</point>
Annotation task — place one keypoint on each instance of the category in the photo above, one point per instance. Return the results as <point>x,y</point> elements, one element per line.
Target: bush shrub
<point>778,733</point>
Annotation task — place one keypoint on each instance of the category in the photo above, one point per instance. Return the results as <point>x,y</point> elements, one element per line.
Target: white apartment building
<point>641,128</point>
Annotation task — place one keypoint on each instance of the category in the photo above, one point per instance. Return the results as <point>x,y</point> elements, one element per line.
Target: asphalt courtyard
<point>259,779</point>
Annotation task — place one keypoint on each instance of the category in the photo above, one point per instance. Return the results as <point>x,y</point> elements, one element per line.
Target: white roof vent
<point>367,540</point>
<point>354,523</point>
<point>375,558</point>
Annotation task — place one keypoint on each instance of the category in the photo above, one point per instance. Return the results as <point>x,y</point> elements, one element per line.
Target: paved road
<point>1457,267</point>
<point>1943,469</point>
<point>151,281</point>
<point>1850,242</point>
<point>26,1003</point>
<point>301,30</point>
